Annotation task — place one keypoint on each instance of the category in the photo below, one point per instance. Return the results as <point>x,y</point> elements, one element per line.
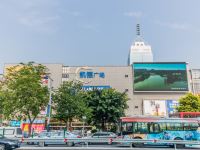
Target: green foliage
<point>189,103</point>
<point>22,91</point>
<point>69,102</point>
<point>107,106</point>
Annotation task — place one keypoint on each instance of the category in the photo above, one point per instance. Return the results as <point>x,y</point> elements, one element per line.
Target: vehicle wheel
<point>70,144</point>
<point>138,144</point>
<point>179,145</point>
<point>2,147</point>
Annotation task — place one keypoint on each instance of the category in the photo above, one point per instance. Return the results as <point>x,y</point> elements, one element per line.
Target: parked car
<point>11,132</point>
<point>8,144</point>
<point>54,135</point>
<point>102,135</point>
<point>60,134</point>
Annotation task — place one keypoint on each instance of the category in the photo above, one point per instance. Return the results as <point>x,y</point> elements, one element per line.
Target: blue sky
<point>97,32</point>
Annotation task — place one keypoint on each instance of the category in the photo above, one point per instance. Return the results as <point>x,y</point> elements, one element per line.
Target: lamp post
<point>50,102</point>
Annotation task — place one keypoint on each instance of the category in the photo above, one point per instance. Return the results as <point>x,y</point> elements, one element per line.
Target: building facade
<point>144,98</point>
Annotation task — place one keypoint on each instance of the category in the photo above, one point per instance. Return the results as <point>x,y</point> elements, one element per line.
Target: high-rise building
<point>195,73</point>
<point>140,51</point>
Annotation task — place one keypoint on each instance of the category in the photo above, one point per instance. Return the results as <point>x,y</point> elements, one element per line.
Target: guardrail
<point>2,147</point>
<point>130,142</point>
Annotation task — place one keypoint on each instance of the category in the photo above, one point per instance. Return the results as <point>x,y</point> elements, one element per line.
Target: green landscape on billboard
<point>160,77</point>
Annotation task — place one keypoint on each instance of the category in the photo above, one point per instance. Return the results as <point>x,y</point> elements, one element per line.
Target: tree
<point>189,103</point>
<point>69,103</point>
<point>107,105</point>
<point>24,96</point>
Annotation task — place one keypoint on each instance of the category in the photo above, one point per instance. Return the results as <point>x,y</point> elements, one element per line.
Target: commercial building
<point>152,88</point>
<point>195,74</point>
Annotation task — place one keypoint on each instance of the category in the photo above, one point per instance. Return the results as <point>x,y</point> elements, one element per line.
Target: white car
<point>56,137</point>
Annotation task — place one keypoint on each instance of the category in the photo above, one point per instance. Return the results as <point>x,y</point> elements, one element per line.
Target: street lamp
<point>50,102</point>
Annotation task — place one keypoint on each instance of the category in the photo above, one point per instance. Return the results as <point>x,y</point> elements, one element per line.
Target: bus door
<point>155,131</point>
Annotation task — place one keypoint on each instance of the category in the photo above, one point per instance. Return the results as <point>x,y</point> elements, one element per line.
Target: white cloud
<point>90,26</point>
<point>178,26</point>
<point>174,25</point>
<point>135,14</point>
<point>75,13</point>
<point>38,21</point>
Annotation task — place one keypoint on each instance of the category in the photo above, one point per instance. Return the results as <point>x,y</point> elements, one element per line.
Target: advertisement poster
<point>160,77</point>
<point>171,106</point>
<point>154,107</point>
<point>37,127</point>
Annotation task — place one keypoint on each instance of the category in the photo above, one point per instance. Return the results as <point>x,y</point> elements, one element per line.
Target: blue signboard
<point>90,74</point>
<point>171,106</point>
<point>15,123</point>
<point>90,88</point>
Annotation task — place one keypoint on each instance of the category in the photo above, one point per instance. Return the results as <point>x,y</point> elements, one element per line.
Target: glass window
<point>162,126</point>
<point>19,131</point>
<point>9,131</point>
<point>1,131</point>
<point>175,126</point>
<point>129,127</point>
<point>190,126</point>
<point>155,128</point>
<point>140,127</point>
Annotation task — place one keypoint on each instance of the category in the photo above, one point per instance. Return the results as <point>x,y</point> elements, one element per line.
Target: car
<point>8,144</point>
<point>54,135</point>
<point>102,135</point>
<point>11,132</point>
<point>62,134</point>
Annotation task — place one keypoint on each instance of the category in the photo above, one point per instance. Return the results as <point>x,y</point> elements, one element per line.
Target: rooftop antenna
<point>138,30</point>
<point>138,33</point>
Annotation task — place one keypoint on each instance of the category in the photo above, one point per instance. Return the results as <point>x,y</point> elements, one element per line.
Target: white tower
<point>140,51</point>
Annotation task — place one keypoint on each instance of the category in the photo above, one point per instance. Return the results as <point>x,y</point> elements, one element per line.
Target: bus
<point>156,128</point>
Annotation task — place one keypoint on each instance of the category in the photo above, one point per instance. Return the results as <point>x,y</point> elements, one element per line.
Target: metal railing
<point>130,142</point>
<point>2,147</point>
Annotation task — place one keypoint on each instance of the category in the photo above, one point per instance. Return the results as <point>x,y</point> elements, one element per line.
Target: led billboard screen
<point>160,77</point>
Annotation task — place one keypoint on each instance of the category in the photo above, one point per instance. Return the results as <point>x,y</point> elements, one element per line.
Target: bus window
<point>140,127</point>
<point>155,128</point>
<point>127,128</point>
<point>162,126</point>
<point>175,126</point>
<point>190,126</point>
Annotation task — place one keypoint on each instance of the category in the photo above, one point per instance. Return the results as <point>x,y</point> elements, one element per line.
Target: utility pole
<point>50,102</point>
